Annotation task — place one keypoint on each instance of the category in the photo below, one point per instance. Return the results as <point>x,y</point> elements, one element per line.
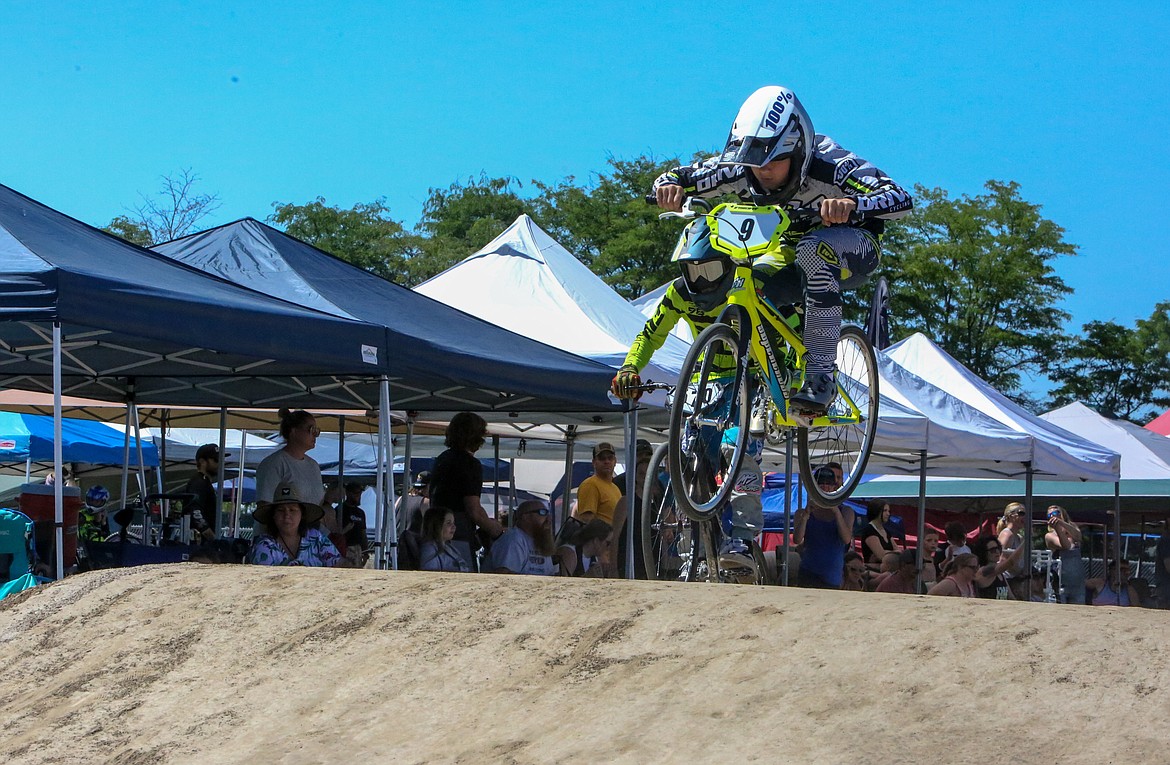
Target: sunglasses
<point>541,512</point>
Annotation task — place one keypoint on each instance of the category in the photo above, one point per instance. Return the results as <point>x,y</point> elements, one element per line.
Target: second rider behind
<point>773,157</point>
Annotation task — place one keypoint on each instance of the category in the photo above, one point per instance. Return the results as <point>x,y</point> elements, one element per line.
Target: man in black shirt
<point>353,523</point>
<point>205,503</point>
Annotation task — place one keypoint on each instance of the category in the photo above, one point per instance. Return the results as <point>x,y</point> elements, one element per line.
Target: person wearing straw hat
<point>288,538</point>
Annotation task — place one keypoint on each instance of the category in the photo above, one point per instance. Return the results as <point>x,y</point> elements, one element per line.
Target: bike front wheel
<point>708,434</point>
<point>848,441</point>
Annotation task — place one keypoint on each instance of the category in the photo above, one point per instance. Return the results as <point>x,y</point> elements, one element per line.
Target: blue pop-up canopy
<point>441,358</point>
<point>136,323</point>
<point>25,436</point>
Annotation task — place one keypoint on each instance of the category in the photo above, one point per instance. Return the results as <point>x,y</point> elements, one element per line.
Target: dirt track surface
<point>198,664</point>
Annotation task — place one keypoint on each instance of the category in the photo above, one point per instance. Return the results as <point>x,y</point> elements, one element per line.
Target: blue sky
<point>353,101</point>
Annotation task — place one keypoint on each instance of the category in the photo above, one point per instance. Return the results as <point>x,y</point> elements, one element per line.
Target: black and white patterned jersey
<point>833,173</point>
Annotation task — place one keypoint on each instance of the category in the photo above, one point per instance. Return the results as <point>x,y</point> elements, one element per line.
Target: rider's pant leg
<point>822,256</point>
<point>747,509</point>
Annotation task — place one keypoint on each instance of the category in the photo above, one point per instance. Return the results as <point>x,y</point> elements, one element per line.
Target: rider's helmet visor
<point>753,151</point>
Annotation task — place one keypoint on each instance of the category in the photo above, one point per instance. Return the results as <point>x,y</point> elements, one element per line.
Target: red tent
<point>1160,424</point>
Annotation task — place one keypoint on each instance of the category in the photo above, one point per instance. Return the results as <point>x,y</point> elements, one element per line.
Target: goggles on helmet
<point>756,152</point>
<point>704,275</point>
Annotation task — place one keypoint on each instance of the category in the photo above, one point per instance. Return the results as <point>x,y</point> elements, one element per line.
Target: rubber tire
<point>857,369</point>
<point>659,515</point>
<point>706,509</point>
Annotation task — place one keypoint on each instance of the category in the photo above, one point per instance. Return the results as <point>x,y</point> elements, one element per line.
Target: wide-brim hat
<point>287,494</point>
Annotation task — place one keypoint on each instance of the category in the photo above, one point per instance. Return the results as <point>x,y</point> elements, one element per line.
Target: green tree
<point>364,235</point>
<point>462,218</point>
<point>1121,372</point>
<point>609,226</point>
<point>976,275</point>
<point>130,230</point>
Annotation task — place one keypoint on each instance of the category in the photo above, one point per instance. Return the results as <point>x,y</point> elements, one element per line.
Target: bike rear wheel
<point>848,444</point>
<point>667,538</point>
<point>704,414</point>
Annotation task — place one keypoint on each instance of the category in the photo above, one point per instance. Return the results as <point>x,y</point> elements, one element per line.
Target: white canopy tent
<point>523,280</point>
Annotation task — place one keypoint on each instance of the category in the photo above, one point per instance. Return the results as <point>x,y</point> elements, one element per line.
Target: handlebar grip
<point>651,199</point>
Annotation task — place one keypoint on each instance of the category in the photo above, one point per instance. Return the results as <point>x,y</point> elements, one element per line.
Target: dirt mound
<point>192,663</point>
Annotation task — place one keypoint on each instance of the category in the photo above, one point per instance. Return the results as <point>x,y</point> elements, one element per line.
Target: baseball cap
<point>604,446</point>
<point>210,451</point>
<point>422,479</point>
<point>908,557</point>
<point>643,448</point>
<point>825,475</point>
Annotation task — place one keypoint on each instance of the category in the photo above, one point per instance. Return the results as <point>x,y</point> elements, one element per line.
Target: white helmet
<point>772,125</point>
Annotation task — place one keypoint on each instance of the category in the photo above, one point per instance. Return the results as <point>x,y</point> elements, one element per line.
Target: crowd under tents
<point>935,416</point>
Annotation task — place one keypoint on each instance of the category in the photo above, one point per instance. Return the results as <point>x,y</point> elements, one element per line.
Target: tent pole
<point>407,458</point>
<point>1117,536</point>
<point>391,529</point>
<point>787,505</point>
<point>1028,476</point>
<point>379,497</point>
<point>495,474</point>
<point>28,468</point>
<point>631,418</point>
<point>58,467</point>
<point>567,490</point>
<point>141,459</point>
<point>126,459</point>
<point>221,470</point>
<point>921,515</point>
<point>339,511</point>
<point>238,492</point>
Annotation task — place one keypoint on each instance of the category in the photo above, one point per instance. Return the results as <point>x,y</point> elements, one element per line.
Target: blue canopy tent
<point>433,345</point>
<point>87,314</point>
<point>29,438</point>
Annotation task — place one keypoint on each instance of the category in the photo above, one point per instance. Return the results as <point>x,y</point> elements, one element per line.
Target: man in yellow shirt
<point>599,497</point>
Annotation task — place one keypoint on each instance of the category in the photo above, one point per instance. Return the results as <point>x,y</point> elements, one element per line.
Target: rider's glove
<point>625,383</point>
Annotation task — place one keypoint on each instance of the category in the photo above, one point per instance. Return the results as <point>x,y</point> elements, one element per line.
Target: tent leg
<point>390,527</point>
<point>631,418</point>
<point>784,580</point>
<point>58,467</point>
<point>921,515</point>
<point>567,492</point>
<point>221,471</point>
<point>126,461</point>
<point>238,492</point>
<point>1117,536</point>
<point>496,475</point>
<point>1029,475</point>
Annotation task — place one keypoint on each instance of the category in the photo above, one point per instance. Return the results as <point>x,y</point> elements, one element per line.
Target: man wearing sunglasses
<point>527,546</point>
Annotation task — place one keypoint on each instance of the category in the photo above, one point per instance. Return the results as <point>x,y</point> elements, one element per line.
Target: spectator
<point>929,547</point>
<point>1162,567</point>
<point>598,497</point>
<point>410,507</point>
<point>891,562</point>
<point>960,582</point>
<point>1108,590</point>
<point>989,579</point>
<point>202,508</point>
<point>1064,539</point>
<point>289,538</point>
<point>586,554</point>
<point>436,552</point>
<point>905,578</point>
<point>875,537</point>
<point>1011,535</point>
<point>853,573</point>
<point>457,483</point>
<point>353,524</point>
<point>643,451</point>
<point>292,463</point>
<point>823,534</point>
<point>527,546</point>
<point>956,545</point>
